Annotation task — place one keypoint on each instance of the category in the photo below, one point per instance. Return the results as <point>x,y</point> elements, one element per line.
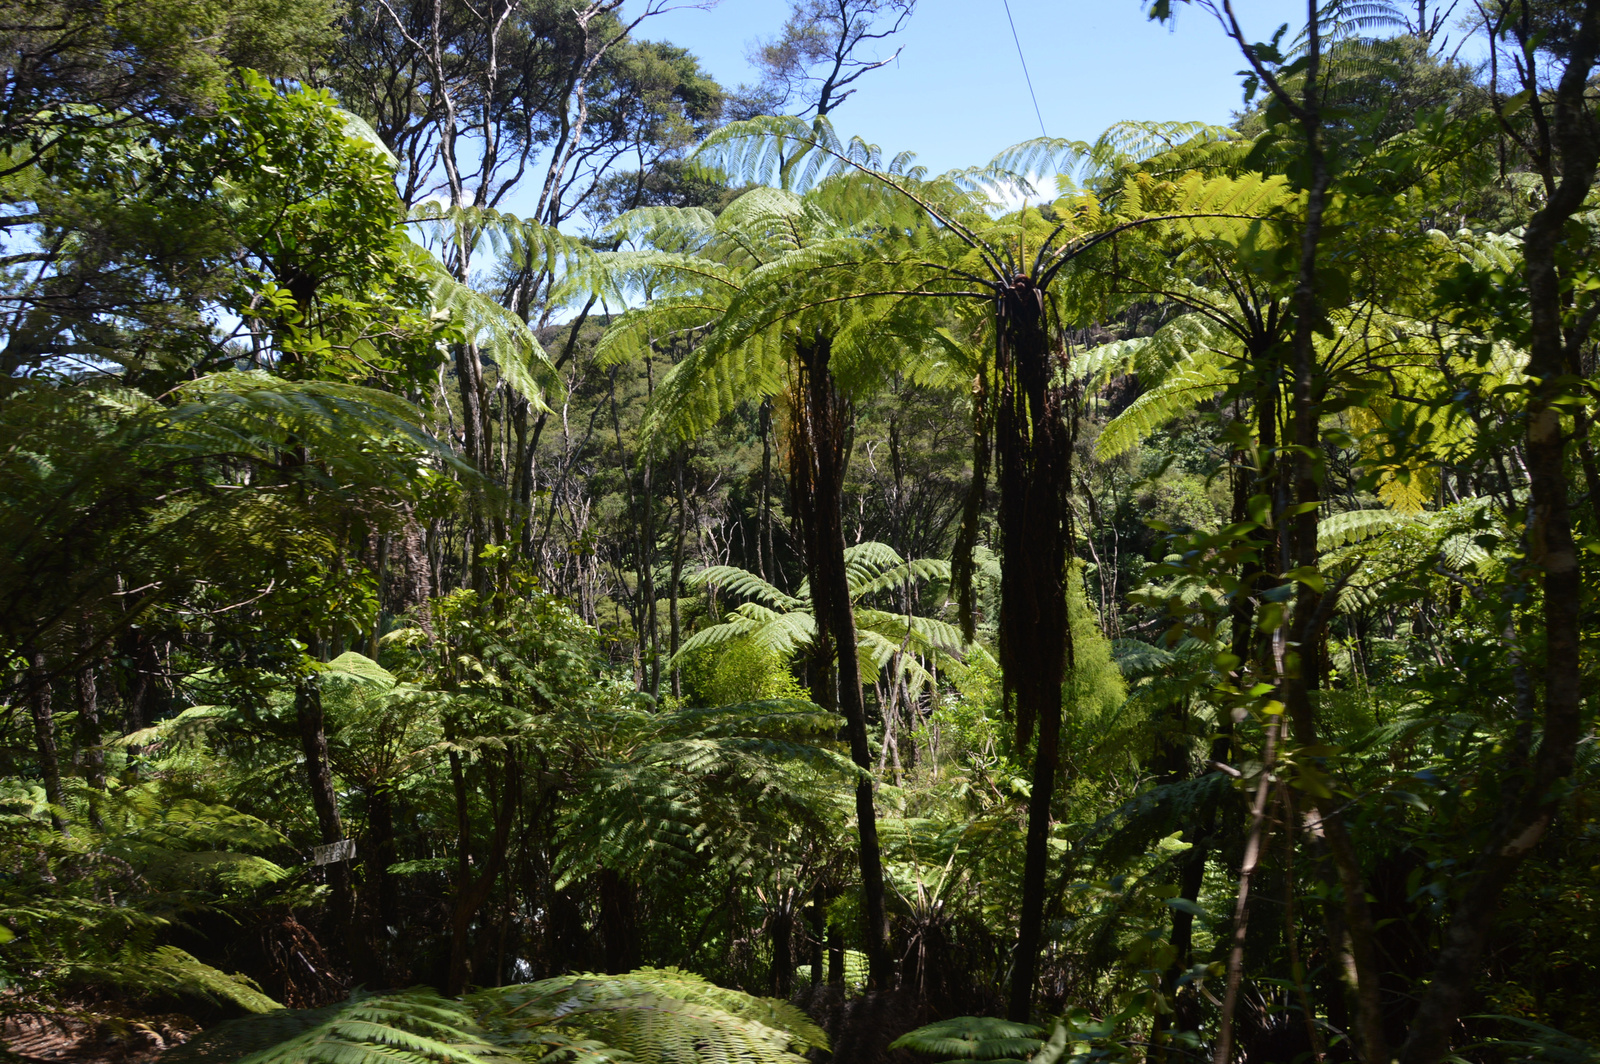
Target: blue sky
<point>956,96</point>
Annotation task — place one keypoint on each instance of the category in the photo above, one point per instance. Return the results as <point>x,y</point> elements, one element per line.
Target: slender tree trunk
<point>680,535</point>
<point>835,956</point>
<point>780,929</point>
<point>1311,611</point>
<point>469,377</point>
<point>1033,454</point>
<point>818,460</point>
<point>89,733</point>
<point>472,891</point>
<point>619,922</point>
<point>44,736</point>
<point>971,508</point>
<point>764,505</point>
<point>382,900</point>
<point>819,932</point>
<point>324,798</point>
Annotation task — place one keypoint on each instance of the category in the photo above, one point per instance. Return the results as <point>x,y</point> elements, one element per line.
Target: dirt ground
<point>111,1040</point>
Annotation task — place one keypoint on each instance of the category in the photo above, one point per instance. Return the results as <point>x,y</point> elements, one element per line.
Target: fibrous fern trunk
<point>1031,445</point>
<point>818,459</point>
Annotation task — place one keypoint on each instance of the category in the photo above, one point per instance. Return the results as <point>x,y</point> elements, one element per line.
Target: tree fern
<point>783,623</point>
<point>1354,526</point>
<point>498,332</point>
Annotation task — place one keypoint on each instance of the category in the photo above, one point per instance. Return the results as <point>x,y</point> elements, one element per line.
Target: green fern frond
<point>1354,526</point>
<point>171,969</point>
<point>414,1026</point>
<point>499,333</point>
<point>744,583</point>
<point>360,669</point>
<point>974,1038</point>
<point>656,1016</point>
<point>1181,392</point>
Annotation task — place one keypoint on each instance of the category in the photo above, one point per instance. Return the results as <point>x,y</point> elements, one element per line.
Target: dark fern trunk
<point>818,460</point>
<point>476,872</point>
<point>1032,453</point>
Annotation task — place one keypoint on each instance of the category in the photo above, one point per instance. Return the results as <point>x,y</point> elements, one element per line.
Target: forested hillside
<point>515,550</point>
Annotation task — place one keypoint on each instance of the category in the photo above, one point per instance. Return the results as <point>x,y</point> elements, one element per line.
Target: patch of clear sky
<point>956,96</point>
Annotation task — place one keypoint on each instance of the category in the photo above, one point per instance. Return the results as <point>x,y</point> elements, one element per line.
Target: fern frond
<point>1354,526</point>
<point>974,1038</point>
<point>657,1016</point>
<point>1181,392</point>
<point>414,1026</point>
<point>499,333</point>
<point>745,583</point>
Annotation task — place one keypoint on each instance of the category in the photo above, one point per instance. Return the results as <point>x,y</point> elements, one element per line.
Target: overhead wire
<point>1025,75</point>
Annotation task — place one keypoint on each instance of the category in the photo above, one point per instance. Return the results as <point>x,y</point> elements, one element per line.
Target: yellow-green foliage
<point>739,670</point>
<point>1095,689</point>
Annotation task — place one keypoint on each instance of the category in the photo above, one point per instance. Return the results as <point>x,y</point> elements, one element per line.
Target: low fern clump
<point>650,1016</point>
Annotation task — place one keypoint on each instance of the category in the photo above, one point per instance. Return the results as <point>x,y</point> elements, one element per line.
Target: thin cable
<point>1025,75</point>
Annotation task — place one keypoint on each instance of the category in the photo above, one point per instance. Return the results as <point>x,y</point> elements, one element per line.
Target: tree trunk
<point>472,891</point>
<point>818,461</point>
<point>819,932</point>
<point>44,736</point>
<point>764,505</point>
<point>676,633</point>
<point>619,922</point>
<point>382,901</point>
<point>780,929</point>
<point>1311,610</point>
<point>89,736</point>
<point>469,377</point>
<point>835,956</point>
<point>324,798</point>
<point>1033,456</point>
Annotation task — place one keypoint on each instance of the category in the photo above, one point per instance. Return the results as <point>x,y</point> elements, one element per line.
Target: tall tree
<point>823,49</point>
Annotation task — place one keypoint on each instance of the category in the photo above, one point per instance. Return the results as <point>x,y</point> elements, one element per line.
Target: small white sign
<point>343,850</point>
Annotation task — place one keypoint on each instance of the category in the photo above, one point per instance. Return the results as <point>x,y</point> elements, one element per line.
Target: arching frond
<point>414,1026</point>
<point>1183,390</point>
<point>744,583</point>
<point>1354,526</point>
<point>495,330</point>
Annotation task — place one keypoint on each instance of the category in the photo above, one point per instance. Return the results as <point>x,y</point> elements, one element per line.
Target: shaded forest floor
<point>119,1040</point>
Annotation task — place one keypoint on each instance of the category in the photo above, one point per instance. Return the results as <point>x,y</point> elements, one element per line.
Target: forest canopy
<point>516,550</point>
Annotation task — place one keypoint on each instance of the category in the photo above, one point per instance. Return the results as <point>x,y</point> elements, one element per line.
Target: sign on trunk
<point>343,850</point>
